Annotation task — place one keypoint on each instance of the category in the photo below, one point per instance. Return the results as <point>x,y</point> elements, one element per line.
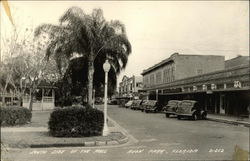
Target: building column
<point>206,103</point>
<point>216,110</point>
<point>222,105</point>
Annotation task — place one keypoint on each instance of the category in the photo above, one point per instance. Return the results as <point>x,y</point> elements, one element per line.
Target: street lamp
<point>106,68</point>
<point>156,93</point>
<point>93,98</point>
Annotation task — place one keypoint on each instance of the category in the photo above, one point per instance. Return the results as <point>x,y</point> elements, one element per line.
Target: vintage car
<point>113,102</point>
<point>98,100</point>
<point>190,109</point>
<point>171,107</point>
<point>136,105</point>
<point>143,105</point>
<point>153,106</point>
<point>128,104</point>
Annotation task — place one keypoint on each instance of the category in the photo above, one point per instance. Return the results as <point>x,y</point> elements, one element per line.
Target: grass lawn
<point>39,119</point>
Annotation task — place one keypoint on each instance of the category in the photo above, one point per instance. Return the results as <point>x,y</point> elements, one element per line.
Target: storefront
<point>222,92</point>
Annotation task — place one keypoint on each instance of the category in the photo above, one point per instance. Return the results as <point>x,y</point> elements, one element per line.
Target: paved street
<point>156,138</point>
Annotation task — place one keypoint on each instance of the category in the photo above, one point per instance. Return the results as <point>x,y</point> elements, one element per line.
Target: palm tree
<point>90,36</point>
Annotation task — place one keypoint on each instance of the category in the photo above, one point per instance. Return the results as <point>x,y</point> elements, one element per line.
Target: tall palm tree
<point>90,36</point>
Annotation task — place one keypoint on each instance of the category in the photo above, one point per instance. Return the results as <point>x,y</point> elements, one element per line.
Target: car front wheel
<point>178,117</point>
<point>167,115</point>
<point>195,117</point>
<point>204,116</point>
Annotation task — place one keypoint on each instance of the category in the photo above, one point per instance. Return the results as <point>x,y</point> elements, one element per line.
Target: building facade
<point>237,61</point>
<point>179,66</point>
<point>224,91</point>
<point>130,86</point>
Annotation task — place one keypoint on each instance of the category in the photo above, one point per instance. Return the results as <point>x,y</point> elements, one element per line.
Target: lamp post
<point>93,98</point>
<point>156,93</point>
<point>106,68</point>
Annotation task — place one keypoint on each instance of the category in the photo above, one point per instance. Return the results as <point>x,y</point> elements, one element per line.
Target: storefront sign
<point>204,87</point>
<point>237,84</point>
<point>213,86</point>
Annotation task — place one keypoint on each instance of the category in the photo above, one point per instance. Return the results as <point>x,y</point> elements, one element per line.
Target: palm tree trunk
<point>90,78</point>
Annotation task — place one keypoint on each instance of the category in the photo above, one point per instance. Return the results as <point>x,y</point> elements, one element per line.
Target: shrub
<point>64,101</point>
<point>14,115</point>
<point>75,121</point>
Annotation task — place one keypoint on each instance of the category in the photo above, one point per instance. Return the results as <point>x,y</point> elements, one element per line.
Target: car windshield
<point>172,103</point>
<point>130,102</point>
<point>152,103</point>
<point>186,104</point>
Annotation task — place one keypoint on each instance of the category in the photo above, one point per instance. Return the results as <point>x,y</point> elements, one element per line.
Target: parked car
<point>190,109</point>
<point>171,107</point>
<point>128,104</point>
<point>153,106</point>
<point>113,102</point>
<point>136,105</point>
<point>98,100</point>
<point>122,102</point>
<point>143,105</point>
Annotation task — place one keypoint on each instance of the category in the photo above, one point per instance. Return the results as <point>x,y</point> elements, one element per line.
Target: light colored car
<point>128,104</point>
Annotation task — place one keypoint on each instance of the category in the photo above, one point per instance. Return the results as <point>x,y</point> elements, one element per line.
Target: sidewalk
<point>38,137</point>
<point>229,119</point>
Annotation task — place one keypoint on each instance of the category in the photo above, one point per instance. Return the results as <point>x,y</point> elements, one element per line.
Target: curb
<point>246,124</point>
<point>85,144</point>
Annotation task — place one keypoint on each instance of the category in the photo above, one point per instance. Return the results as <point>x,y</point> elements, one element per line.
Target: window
<point>168,75</point>
<point>152,79</point>
<point>146,81</point>
<point>158,77</point>
<point>165,75</point>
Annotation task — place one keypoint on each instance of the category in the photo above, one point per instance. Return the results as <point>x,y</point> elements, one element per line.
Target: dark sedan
<point>190,109</point>
<point>171,107</point>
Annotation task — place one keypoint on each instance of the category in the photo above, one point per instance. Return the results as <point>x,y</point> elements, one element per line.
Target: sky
<point>155,30</point>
